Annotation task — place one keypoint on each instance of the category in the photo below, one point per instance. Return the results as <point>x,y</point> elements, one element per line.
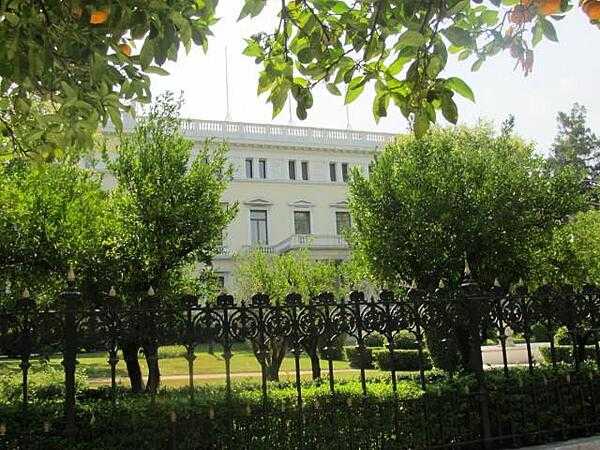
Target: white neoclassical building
<point>290,184</point>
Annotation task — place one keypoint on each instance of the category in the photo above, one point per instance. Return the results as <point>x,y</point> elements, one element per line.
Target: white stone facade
<point>276,212</point>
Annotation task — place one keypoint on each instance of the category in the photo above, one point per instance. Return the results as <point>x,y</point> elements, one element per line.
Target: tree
<point>576,144</point>
<point>86,62</point>
<point>572,255</point>
<point>51,216</point>
<point>277,276</point>
<point>76,58</point>
<point>459,194</point>
<point>168,209</point>
<point>400,47</point>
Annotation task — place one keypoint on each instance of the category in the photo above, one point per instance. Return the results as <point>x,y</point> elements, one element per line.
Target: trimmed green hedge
<point>401,360</point>
<point>446,413</point>
<point>360,360</point>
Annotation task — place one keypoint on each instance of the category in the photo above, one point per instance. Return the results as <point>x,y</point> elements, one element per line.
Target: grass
<point>172,363</point>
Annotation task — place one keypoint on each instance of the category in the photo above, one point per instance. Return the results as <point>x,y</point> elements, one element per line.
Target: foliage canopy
<point>68,66</point>
<point>459,193</point>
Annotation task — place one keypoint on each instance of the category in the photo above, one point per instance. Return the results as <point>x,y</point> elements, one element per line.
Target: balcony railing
<point>280,134</point>
<point>296,241</point>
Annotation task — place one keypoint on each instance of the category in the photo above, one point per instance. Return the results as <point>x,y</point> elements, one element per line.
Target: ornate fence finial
<point>112,292</point>
<point>497,283</point>
<point>413,285</point>
<point>71,274</point>
<point>441,284</point>
<point>151,292</point>
<point>25,295</point>
<point>467,271</point>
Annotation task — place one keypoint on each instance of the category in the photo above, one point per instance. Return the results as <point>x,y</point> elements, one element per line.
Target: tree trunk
<point>151,354</point>
<point>130,355</point>
<point>275,353</point>
<point>311,347</point>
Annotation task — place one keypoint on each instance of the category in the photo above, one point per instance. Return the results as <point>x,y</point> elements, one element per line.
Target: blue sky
<point>564,73</point>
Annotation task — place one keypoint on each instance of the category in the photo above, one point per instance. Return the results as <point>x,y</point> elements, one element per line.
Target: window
<point>302,222</point>
<point>249,168</point>
<point>332,172</point>
<point>344,172</point>
<point>292,169</point>
<point>342,222</point>
<point>305,170</point>
<point>262,168</point>
<point>258,227</point>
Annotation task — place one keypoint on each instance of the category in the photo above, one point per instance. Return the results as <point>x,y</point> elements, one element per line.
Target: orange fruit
<point>547,7</point>
<point>125,49</point>
<point>592,9</point>
<point>98,16</point>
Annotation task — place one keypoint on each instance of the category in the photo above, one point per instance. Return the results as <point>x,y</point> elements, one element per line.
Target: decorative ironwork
<point>71,327</point>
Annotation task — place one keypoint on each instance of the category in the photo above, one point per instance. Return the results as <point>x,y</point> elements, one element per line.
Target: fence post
<point>70,299</point>
<point>473,296</point>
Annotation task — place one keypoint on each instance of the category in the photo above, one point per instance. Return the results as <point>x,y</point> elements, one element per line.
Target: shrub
<point>45,383</point>
<point>539,333</point>
<point>564,354</point>
<point>405,340</point>
<point>336,350</point>
<point>374,340</point>
<point>443,350</point>
<point>343,420</point>
<point>401,360</point>
<point>562,337</point>
<point>358,359</point>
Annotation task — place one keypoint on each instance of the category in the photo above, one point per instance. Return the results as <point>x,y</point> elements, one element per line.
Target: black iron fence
<point>74,326</point>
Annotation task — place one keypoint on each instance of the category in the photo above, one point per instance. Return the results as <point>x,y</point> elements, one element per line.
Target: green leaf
<point>157,70</point>
<point>252,8</point>
<point>449,109</point>
<point>252,49</point>
<point>355,88</point>
<point>332,88</point>
<point>460,87</point>
<point>538,33</point>
<point>477,64</point>
<point>458,36</point>
<point>549,30</point>
<point>410,38</point>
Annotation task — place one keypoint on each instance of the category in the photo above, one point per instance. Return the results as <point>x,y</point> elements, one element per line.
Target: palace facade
<point>290,183</point>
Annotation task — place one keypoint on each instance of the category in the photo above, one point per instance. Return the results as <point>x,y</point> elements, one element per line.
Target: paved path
<point>591,443</point>
<point>221,376</point>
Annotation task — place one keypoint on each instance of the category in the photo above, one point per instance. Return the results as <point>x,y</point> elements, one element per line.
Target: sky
<point>564,73</point>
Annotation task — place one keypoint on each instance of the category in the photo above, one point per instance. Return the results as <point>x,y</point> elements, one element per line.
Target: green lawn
<point>172,363</point>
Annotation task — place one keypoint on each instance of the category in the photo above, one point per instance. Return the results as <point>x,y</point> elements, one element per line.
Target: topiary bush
<point>443,350</point>
<point>335,350</point>
<point>401,360</point>
<point>405,340</point>
<point>358,359</point>
<point>374,340</point>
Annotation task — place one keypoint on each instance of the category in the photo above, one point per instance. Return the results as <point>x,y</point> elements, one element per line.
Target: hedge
<point>444,414</point>
<point>360,360</point>
<point>402,360</point>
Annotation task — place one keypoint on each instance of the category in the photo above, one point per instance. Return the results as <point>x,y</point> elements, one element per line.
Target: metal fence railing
<point>73,326</point>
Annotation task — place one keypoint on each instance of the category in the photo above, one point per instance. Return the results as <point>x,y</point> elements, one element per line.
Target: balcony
<point>297,241</point>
